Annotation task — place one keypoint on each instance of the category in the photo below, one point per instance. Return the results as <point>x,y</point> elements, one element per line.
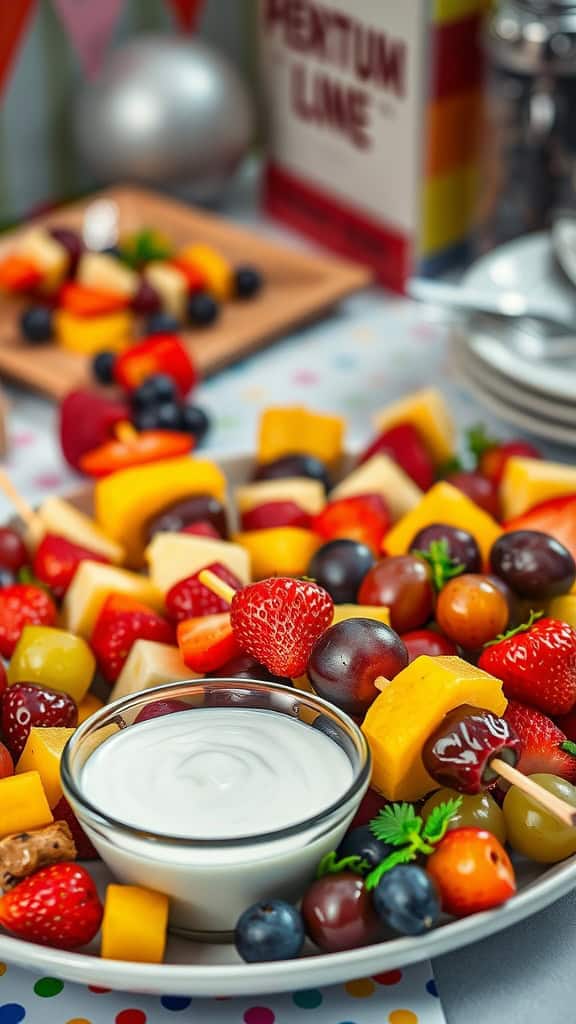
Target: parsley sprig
<point>399,825</point>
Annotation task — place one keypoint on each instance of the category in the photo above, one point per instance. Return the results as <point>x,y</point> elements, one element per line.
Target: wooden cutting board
<point>299,288</point>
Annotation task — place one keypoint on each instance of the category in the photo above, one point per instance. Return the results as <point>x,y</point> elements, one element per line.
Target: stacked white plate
<point>518,376</point>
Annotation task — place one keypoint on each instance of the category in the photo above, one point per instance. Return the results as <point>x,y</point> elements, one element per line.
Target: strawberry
<point>556,517</point>
<point>56,561</point>
<point>190,599</point>
<point>404,444</point>
<point>492,462</point>
<point>207,643</point>
<point>275,513</point>
<point>25,705</point>
<point>84,848</point>
<point>541,743</point>
<point>22,605</point>
<point>57,906</point>
<point>87,420</point>
<point>568,724</point>
<point>537,664</point>
<point>278,621</point>
<point>120,623</point>
<point>364,517</point>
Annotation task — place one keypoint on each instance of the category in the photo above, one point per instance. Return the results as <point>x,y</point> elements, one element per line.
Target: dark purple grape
<point>349,656</point>
<point>292,466</point>
<point>339,567</point>
<point>245,667</point>
<point>533,564</point>
<point>146,300</point>
<point>200,508</point>
<point>459,751</point>
<point>72,242</point>
<point>462,546</point>
<point>360,842</point>
<point>338,913</point>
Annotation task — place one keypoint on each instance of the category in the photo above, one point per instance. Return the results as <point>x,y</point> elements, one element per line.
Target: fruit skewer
<point>24,510</point>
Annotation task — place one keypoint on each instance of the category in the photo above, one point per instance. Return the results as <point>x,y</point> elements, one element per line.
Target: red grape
<point>426,641</point>
<point>402,584</point>
<point>13,552</point>
<point>482,491</point>
<point>338,913</point>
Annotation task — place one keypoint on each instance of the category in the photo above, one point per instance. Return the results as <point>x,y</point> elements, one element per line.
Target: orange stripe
<point>453,132</point>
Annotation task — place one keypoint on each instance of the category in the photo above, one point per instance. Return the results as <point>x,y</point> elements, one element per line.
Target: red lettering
<point>331,104</point>
<point>390,65</point>
<point>342,24</point>
<point>274,11</point>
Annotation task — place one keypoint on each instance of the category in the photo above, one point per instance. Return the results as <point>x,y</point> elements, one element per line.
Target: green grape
<point>532,831</point>
<point>480,811</point>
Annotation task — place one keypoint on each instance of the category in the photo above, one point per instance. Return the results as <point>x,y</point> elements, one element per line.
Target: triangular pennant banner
<point>14,16</point>
<point>187,13</point>
<point>89,25</point>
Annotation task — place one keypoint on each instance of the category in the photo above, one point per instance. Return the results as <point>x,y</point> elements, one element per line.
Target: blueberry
<point>361,843</point>
<point>203,310</point>
<point>155,390</point>
<point>195,421</point>
<point>271,930</point>
<point>247,282</point>
<point>407,900</point>
<point>162,323</point>
<point>36,324</point>
<point>103,367</point>
<point>146,418</point>
<point>169,416</point>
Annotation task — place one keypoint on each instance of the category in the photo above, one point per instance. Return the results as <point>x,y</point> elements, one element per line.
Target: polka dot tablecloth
<point>397,997</point>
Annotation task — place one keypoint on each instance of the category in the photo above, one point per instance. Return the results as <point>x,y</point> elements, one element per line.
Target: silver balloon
<point>166,111</point>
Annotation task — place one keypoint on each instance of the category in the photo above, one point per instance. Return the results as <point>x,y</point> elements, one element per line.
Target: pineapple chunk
<point>427,411</point>
<point>443,503</point>
<point>58,516</point>
<point>172,557</point>
<point>92,584</point>
<point>279,550</point>
<point>150,664</point>
<point>381,475</point>
<point>134,924</point>
<point>308,494</point>
<point>86,336</point>
<point>102,271</point>
<point>215,269</point>
<point>50,255</point>
<point>42,754</point>
<point>361,611</point>
<point>171,285</point>
<point>286,429</point>
<point>528,482</point>
<point>23,804</point>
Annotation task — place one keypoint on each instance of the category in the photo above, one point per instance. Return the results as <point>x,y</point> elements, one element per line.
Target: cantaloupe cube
<point>54,658</point>
<point>215,268</point>
<point>134,924</point>
<point>92,584</point>
<point>381,475</point>
<point>56,515</point>
<point>443,503</point>
<point>409,708</point>
<point>42,754</point>
<point>427,411</point>
<point>126,501</point>
<point>279,551</point>
<point>285,430</point>
<point>528,482</point>
<point>48,253</point>
<point>88,707</point>
<point>306,493</point>
<point>361,611</point>
<point>104,272</point>
<point>174,556</point>
<point>171,285</point>
<point>86,336</point>
<point>150,664</point>
<point>23,804</point>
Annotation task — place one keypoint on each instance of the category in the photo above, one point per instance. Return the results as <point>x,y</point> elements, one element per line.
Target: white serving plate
<point>199,969</point>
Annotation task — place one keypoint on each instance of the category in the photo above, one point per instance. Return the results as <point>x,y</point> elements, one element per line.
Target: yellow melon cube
<point>126,501</point>
<point>409,708</point>
<point>87,336</point>
<point>54,658</point>
<point>216,270</point>
<point>563,608</point>
<point>427,411</point>
<point>381,475</point>
<point>55,515</point>
<point>307,494</point>
<point>42,754</point>
<point>23,804</point>
<point>443,503</point>
<point>48,253</point>
<point>134,924</point>
<point>171,285</point>
<point>279,551</point>
<point>106,273</point>
<point>528,482</point>
<point>150,664</point>
<point>288,429</point>
<point>172,557</point>
<point>361,611</point>
<point>92,584</point>
<point>88,707</point>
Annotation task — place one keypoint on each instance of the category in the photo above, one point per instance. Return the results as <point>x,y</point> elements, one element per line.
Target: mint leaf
<point>439,818</point>
<point>398,857</point>
<point>396,824</point>
<point>443,567</point>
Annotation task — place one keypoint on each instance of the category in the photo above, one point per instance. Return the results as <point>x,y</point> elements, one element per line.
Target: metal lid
<point>534,36</point>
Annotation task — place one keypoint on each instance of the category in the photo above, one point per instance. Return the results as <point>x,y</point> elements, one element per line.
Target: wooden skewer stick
<point>24,510</point>
<point>216,585</point>
<point>560,809</point>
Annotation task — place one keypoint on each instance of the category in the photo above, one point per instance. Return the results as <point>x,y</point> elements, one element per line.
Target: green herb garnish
<point>399,825</point>
<point>443,567</point>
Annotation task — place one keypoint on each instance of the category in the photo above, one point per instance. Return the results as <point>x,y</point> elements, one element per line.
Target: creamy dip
<point>216,773</point>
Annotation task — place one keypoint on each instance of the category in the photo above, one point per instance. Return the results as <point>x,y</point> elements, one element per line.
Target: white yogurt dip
<point>216,773</point>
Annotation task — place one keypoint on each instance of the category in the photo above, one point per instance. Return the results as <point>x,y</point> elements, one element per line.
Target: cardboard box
<point>374,112</point>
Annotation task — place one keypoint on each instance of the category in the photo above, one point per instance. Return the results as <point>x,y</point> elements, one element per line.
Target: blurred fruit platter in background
<point>172,269</point>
